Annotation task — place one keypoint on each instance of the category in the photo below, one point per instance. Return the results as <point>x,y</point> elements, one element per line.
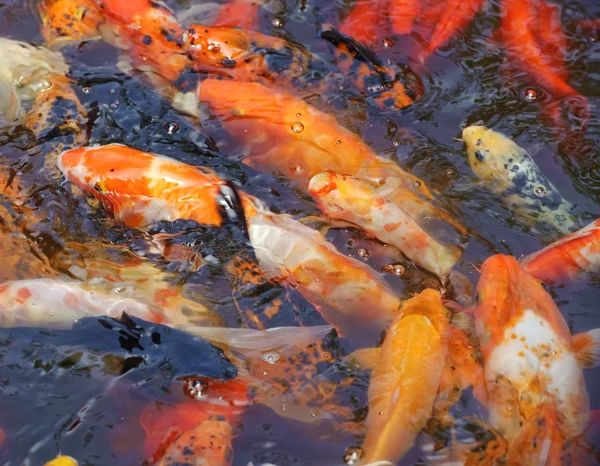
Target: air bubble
<point>396,269</point>
<point>338,142</point>
<point>197,389</point>
<point>362,252</point>
<point>530,94</point>
<point>418,183</point>
<point>352,455</point>
<point>271,357</point>
<point>540,191</point>
<point>171,127</point>
<point>297,127</point>
<point>297,168</point>
<point>450,171</point>
<point>395,143</point>
<point>387,42</point>
<point>277,22</point>
<point>86,90</point>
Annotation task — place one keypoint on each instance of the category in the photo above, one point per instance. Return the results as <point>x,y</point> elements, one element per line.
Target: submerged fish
<point>406,377</point>
<point>532,364</point>
<point>355,201</point>
<point>510,172</point>
<point>52,303</point>
<point>567,259</point>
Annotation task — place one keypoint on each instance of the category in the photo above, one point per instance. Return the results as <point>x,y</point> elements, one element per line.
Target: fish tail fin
<point>239,13</point>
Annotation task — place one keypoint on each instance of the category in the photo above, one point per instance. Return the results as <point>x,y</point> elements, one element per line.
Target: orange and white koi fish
<point>139,188</point>
<point>53,303</point>
<point>567,259</point>
<point>532,364</point>
<point>11,111</point>
<point>406,377</point>
<point>355,201</point>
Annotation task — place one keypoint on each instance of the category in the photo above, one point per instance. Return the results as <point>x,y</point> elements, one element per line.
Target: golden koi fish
<point>406,376</point>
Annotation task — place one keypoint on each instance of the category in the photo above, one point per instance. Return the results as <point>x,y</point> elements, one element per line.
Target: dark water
<point>82,391</point>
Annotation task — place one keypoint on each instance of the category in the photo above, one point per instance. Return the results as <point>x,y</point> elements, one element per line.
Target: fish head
<point>105,171</point>
<point>493,157</point>
<point>429,304</point>
<point>68,21</point>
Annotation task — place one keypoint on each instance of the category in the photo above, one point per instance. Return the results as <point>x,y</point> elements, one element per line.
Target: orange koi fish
<point>245,55</point>
<point>406,377</point>
<point>567,259</point>
<point>53,303</point>
<point>530,360</point>
<point>139,188</point>
<point>66,21</point>
<point>355,201</point>
<point>62,460</point>
<point>284,134</point>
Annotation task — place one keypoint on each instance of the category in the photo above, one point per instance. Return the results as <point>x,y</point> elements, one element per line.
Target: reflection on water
<point>83,391</point>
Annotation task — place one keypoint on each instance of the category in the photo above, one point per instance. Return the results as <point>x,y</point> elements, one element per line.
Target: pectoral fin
<point>587,348</point>
<point>365,358</point>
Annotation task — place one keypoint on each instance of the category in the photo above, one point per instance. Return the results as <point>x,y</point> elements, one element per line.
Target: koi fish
<point>62,460</point>
<point>308,141</point>
<point>389,87</point>
<point>52,303</point>
<point>567,259</point>
<point>405,378</point>
<point>139,188</point>
<point>530,359</point>
<point>402,14</point>
<point>199,421</point>
<point>346,291</point>
<point>511,172</point>
<point>526,50</point>
<point>67,21</point>
<point>366,21</point>
<point>241,14</point>
<point>352,200</point>
<point>456,15</point>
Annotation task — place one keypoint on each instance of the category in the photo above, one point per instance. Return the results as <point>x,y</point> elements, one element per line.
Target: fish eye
<point>476,298</point>
<point>479,155</point>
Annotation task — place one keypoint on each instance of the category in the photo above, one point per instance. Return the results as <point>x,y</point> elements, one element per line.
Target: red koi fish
<point>196,425</point>
<point>405,378</point>
<point>456,15</point>
<point>567,259</point>
<point>403,14</point>
<point>532,364</point>
<point>526,50</point>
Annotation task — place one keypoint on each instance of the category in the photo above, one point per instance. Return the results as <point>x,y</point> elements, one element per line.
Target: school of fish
<point>501,340</point>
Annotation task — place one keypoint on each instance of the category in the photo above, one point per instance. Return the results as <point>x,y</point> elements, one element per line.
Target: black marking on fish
<point>479,155</point>
<point>360,51</point>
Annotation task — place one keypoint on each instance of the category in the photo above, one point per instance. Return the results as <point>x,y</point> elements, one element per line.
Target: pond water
<point>82,391</point>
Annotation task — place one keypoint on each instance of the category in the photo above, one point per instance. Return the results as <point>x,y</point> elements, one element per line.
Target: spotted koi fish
<point>510,172</point>
<point>532,364</point>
